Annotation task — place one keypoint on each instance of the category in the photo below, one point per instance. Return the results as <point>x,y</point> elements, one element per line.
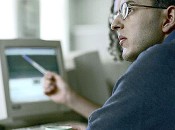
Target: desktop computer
<point>22,100</point>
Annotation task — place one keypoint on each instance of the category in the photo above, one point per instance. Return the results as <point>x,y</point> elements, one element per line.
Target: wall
<point>89,25</point>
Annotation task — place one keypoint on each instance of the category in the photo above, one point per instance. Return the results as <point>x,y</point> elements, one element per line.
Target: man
<point>144,97</point>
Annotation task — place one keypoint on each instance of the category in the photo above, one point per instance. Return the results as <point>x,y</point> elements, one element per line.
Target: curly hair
<point>114,48</point>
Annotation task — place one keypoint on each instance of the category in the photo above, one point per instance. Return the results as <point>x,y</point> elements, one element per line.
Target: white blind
<point>7,19</point>
<point>54,21</point>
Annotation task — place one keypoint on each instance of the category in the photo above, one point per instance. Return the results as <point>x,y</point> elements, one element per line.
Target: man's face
<point>141,29</point>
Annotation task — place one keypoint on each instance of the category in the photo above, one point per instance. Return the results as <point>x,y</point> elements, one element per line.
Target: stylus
<point>34,64</point>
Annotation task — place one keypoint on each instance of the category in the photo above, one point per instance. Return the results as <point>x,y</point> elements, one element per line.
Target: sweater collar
<point>170,37</point>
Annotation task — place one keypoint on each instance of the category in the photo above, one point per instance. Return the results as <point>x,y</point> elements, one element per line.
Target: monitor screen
<point>25,81</point>
<point>21,92</point>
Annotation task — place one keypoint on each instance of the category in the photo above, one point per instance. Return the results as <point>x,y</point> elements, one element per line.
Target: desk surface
<point>75,125</point>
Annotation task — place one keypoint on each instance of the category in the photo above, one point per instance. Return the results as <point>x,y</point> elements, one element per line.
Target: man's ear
<point>169,21</point>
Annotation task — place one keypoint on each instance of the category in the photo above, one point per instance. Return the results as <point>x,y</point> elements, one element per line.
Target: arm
<point>81,105</point>
<point>60,92</point>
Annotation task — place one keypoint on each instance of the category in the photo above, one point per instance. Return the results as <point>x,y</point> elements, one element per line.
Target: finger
<point>47,83</point>
<point>51,92</point>
<point>49,76</point>
<point>50,80</point>
<point>50,89</point>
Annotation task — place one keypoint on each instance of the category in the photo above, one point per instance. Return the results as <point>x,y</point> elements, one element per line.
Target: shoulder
<point>154,58</point>
<point>139,90</point>
<point>157,54</point>
<point>152,67</point>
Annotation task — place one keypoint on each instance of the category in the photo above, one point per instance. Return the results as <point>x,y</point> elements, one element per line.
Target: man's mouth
<point>121,40</point>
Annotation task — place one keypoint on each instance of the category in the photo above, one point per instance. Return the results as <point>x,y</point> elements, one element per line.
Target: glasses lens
<point>115,15</point>
<point>124,10</point>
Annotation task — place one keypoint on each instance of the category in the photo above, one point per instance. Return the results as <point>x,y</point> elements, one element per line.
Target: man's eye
<point>129,10</point>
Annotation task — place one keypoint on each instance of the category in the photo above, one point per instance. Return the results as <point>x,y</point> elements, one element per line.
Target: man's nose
<point>117,24</point>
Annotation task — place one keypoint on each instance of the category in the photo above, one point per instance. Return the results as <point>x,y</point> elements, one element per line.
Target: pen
<point>34,64</point>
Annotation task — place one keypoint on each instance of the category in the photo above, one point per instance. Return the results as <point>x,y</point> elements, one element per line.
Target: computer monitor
<point>21,92</point>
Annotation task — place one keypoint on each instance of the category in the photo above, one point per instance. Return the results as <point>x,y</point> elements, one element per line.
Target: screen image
<point>25,81</point>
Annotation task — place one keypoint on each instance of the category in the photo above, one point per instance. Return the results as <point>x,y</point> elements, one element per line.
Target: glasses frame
<point>129,6</point>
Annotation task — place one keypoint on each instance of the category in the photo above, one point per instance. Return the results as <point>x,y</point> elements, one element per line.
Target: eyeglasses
<point>126,8</point>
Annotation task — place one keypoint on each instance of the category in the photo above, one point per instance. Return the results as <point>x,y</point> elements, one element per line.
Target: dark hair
<point>114,48</point>
<point>164,3</point>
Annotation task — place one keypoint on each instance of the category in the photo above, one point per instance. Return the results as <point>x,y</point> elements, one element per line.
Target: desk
<point>75,125</point>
